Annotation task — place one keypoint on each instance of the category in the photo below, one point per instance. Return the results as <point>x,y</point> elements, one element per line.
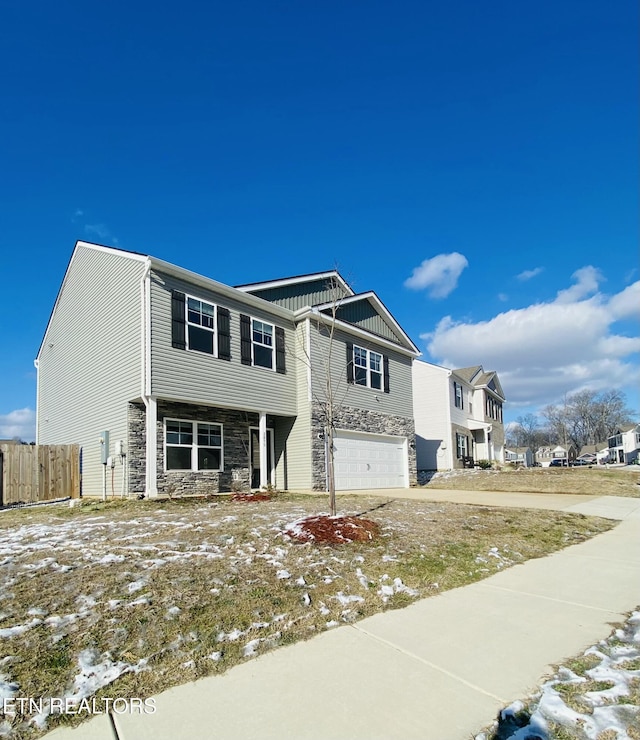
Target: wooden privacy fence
<point>32,473</point>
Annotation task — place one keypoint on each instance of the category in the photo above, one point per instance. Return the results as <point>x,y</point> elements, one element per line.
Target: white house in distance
<point>624,445</point>
<point>458,416</point>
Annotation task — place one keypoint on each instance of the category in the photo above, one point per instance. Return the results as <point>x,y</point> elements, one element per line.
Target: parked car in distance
<point>558,463</point>
<point>578,463</point>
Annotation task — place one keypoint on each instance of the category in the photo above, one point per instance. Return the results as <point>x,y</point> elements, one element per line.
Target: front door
<point>254,457</point>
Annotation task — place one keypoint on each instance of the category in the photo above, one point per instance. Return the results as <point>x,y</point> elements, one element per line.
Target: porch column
<point>151,433</point>
<point>262,433</point>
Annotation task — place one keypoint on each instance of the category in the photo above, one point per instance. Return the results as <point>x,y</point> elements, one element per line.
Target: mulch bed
<point>333,530</point>
<point>251,497</point>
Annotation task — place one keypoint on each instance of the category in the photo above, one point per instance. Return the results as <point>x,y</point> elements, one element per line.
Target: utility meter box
<point>104,447</point>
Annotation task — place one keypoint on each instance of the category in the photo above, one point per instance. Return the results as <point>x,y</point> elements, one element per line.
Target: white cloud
<point>587,282</point>
<point>528,274</point>
<point>439,274</point>
<point>548,349</point>
<point>503,297</point>
<point>19,423</point>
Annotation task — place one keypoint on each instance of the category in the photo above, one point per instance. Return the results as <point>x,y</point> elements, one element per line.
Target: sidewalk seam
<point>455,677</point>
<point>549,598</point>
<point>113,726</point>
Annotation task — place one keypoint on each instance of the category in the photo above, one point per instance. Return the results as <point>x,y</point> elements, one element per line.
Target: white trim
<point>194,446</point>
<point>358,332</point>
<point>187,324</point>
<point>225,290</point>
<point>368,368</point>
<point>272,473</point>
<point>260,344</point>
<point>151,447</point>
<point>308,360</point>
<point>145,339</point>
<point>283,282</point>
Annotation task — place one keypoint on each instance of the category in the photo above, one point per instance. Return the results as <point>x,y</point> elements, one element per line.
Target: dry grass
<point>161,593</point>
<point>594,481</point>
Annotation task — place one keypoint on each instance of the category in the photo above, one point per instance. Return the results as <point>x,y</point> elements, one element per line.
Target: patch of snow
<point>20,629</point>
<point>345,599</point>
<point>251,648</point>
<point>283,574</point>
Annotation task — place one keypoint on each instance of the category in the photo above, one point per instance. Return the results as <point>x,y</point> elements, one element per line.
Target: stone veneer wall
<point>235,436</point>
<point>357,420</point>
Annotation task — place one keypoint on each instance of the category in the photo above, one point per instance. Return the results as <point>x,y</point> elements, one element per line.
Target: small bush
<point>484,464</point>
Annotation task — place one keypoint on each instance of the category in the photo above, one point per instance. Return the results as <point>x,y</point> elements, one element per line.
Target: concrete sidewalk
<point>437,670</point>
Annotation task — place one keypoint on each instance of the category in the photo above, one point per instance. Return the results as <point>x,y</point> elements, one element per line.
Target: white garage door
<point>369,461</point>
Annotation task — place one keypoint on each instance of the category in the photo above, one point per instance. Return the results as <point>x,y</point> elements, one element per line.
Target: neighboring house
<point>624,444</point>
<point>520,456</point>
<point>203,387</point>
<point>458,416</point>
<point>596,454</point>
<point>545,455</point>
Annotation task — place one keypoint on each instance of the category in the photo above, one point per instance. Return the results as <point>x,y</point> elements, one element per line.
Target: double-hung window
<point>457,392</point>
<point>367,368</point>
<point>461,445</point>
<point>201,326</point>
<point>192,445</point>
<point>262,343</point>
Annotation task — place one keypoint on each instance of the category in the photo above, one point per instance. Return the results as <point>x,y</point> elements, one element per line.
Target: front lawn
<point>127,598</point>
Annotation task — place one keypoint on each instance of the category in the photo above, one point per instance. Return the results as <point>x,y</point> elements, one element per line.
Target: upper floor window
<point>193,445</point>
<point>367,368</point>
<point>262,344</point>
<point>457,395</point>
<point>200,326</point>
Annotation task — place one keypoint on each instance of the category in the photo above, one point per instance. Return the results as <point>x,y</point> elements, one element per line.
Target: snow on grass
<point>159,596</point>
<point>594,696</point>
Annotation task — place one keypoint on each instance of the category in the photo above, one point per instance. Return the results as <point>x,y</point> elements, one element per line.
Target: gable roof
<point>477,377</point>
<point>380,309</point>
<point>294,280</point>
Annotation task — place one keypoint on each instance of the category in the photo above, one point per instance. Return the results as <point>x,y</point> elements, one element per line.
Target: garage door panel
<point>369,461</point>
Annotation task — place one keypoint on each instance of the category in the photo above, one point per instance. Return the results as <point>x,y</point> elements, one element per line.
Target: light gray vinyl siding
<point>90,361</point>
<point>299,442</point>
<point>398,402</point>
<point>363,314</point>
<point>201,378</point>
<point>299,295</point>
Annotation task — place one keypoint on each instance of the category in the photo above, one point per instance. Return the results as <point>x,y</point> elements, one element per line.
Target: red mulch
<point>333,530</point>
<point>251,497</point>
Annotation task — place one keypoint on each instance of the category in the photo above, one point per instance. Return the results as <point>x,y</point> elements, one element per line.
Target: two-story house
<point>458,416</point>
<point>172,382</point>
<point>624,444</point>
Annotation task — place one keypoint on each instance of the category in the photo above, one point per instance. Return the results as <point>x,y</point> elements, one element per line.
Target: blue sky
<point>473,163</point>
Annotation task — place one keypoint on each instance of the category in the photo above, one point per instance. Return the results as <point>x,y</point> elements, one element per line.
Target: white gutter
<point>151,408</point>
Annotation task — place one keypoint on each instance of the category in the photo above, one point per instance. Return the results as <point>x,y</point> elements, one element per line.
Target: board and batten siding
<point>89,365</point>
<point>399,400</point>
<point>299,295</point>
<point>431,411</point>
<point>363,314</point>
<point>201,378</point>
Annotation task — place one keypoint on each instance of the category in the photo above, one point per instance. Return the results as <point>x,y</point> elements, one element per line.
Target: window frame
<point>369,371</point>
<point>194,446</point>
<point>272,346</point>
<point>213,329</point>
<point>465,451</point>
<point>458,394</point>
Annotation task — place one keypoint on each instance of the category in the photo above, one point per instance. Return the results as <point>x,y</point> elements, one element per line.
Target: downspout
<point>36,364</point>
<point>151,415</point>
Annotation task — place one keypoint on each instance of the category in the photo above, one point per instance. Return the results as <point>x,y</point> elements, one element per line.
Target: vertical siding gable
<point>363,314</point>
<point>299,295</point>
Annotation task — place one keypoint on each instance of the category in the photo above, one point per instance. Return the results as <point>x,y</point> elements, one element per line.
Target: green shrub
<point>484,464</point>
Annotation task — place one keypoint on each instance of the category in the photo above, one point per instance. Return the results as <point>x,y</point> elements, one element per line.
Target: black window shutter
<point>280,361</point>
<point>224,334</point>
<point>178,337</point>
<point>245,339</point>
<point>349,362</point>
<point>386,373</point>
